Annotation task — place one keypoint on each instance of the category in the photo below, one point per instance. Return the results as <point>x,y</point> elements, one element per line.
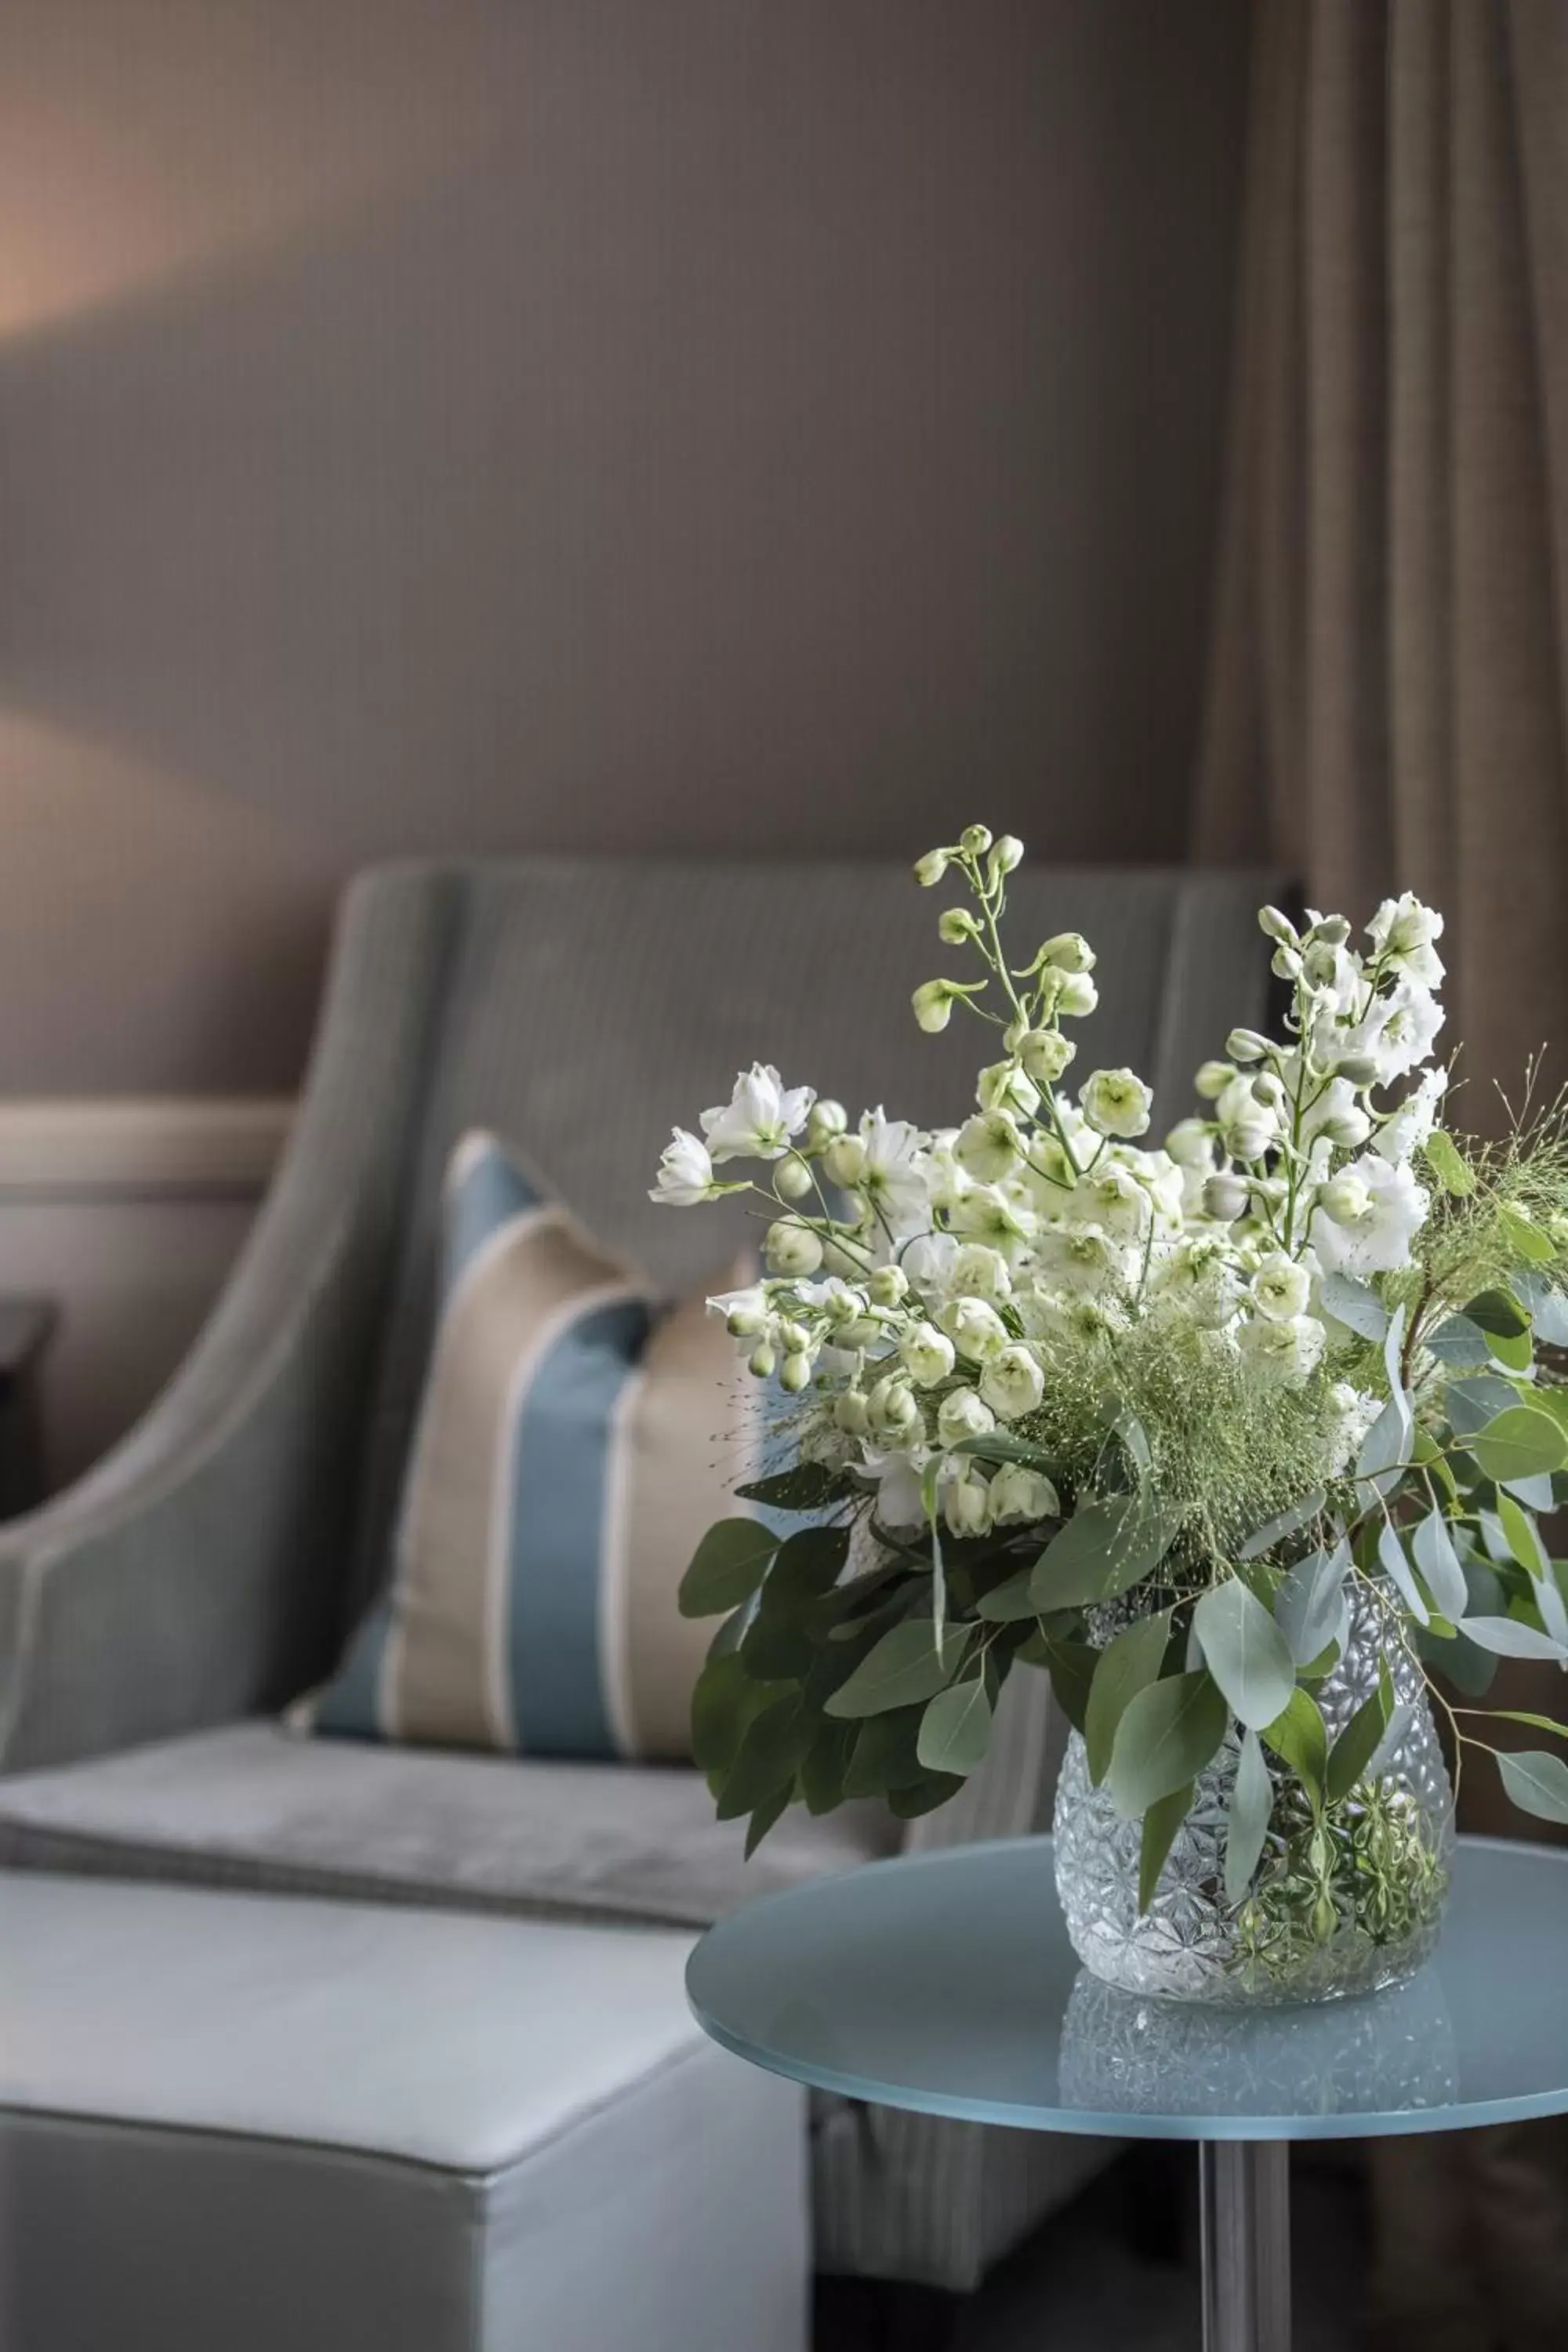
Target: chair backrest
<point>590,1004</point>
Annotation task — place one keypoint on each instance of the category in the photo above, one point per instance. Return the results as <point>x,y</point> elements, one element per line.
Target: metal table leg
<point>1246,2198</point>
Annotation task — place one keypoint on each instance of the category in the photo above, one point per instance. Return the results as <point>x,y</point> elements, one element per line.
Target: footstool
<point>255,2122</point>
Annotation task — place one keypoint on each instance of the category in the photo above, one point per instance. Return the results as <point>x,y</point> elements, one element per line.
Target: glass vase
<point>1381,1857</point>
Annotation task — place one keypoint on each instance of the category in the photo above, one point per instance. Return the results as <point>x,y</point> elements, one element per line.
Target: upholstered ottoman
<point>241,2123</point>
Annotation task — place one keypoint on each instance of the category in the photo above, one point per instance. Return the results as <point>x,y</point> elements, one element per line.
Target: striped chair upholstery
<point>212,1568</point>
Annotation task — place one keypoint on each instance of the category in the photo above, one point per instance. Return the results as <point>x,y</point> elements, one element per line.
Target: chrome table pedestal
<point>943,1981</point>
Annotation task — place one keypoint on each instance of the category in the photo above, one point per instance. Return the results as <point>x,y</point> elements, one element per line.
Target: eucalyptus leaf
<point>1498,1314</point>
<point>923,1796</point>
<point>1535,1494</point>
<point>724,1702</point>
<point>726,1568</point>
<point>1310,1600</point>
<point>1391,1556</point>
<point>1393,1342</point>
<point>882,1755</point>
<point>907,1664</point>
<point>1443,1156</point>
<point>805,1566</point>
<point>768,1758</point>
<point>1356,1746</point>
<point>1535,1722</point>
<point>1288,1523</point>
<point>1105,1549</point>
<point>1387,1443</point>
<point>1300,1737</point>
<point>1354,1304</point>
<point>824,1765</point>
<point>1251,1802</point>
<point>1438,1562</point>
<point>1398,1723</point>
<point>1509,1637</point>
<point>1471,1403</point>
<point>1071,1666</point>
<point>1161,1824</point>
<point>1537,1782</point>
<point>1127,1665</point>
<point>1458,1343</point>
<point>1167,1734</point>
<point>1525,1235</point>
<point>1523,1538</point>
<point>1007,1603</point>
<point>955,1730</point>
<point>1548,1308</point>
<point>1521,1442</point>
<point>770,1811</point>
<point>1247,1654</point>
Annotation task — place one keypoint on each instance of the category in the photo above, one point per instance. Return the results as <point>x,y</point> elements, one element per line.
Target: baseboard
<point>140,1147</point>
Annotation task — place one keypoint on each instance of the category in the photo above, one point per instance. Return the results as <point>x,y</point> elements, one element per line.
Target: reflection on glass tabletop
<point>944,1982</point>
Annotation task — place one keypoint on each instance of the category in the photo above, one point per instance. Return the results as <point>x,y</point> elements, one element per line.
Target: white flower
<point>988,1215</point>
<point>928,1262</point>
<point>975,1328</point>
<point>1280,1288</point>
<point>962,1413</point>
<point>1191,1145</point>
<point>1077,996</point>
<point>1225,1196</point>
<point>1415,1118</point>
<point>1112,1198</point>
<point>1394,1034</point>
<point>1116,1102</point>
<point>760,1117</point>
<point>745,1312</point>
<point>932,1002</point>
<point>685,1172</point>
<point>1355,1410</point>
<point>1403,930</point>
<point>928,1354</point>
<point>1197,1277</point>
<point>1070,1321</point>
<point>893,1412</point>
<point>1082,1257</point>
<point>1004,1086</point>
<point>966,1504</point>
<point>1045,1054</point>
<point>980,1273</point>
<point>989,1146</point>
<point>1337,1114</point>
<point>1282,1351</point>
<point>898,1476</point>
<point>1370,1236</point>
<point>892,1175</point>
<point>792,1249</point>
<point>851,1413</point>
<point>1012,1384</point>
<point>1022,1495</point>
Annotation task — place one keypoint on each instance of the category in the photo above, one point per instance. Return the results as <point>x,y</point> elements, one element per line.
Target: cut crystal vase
<point>1344,1906</point>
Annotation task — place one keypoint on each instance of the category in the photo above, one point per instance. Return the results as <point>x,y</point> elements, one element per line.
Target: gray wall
<point>653,424</point>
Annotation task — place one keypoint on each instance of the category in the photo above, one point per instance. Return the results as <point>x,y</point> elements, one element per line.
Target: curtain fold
<point>1386,704</point>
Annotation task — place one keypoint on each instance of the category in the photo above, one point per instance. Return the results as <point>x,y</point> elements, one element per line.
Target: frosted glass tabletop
<point>946,1982</point>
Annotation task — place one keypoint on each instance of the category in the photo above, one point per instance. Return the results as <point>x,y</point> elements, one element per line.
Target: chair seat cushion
<point>254,1805</point>
<point>236,2122</point>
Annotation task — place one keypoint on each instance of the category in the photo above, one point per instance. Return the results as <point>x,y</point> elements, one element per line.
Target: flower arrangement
<point>1182,1426</point>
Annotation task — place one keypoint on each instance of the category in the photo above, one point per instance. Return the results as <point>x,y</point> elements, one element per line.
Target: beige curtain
<point>1388,697</point>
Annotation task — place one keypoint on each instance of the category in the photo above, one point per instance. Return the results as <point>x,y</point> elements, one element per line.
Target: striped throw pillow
<point>572,1445</point>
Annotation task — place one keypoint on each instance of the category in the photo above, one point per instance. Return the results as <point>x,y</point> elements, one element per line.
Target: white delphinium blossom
<point>985,1213</point>
<point>791,1248</point>
<point>1397,1032</point>
<point>897,1477</point>
<point>1006,1086</point>
<point>891,1176</point>
<point>1196,1278</point>
<point>1020,1496</point>
<point>1284,1351</point>
<point>989,1146</point>
<point>1355,1412</point>
<point>928,1355</point>
<point>980,1272</point>
<point>966,1504</point>
<point>685,1172</point>
<point>1069,1319</point>
<point>1191,1145</point>
<point>893,1412</point>
<point>1334,1111</point>
<point>1225,1196</point>
<point>1412,1122</point>
<point>975,1327</point>
<point>1402,930</point>
<point>1111,1197</point>
<point>745,1312</point>
<point>1045,1054</point>
<point>1367,1217</point>
<point>1116,1102</point>
<point>1082,1257</point>
<point>1280,1288</point>
<point>1012,1384</point>
<point>963,1412</point>
<point>1076,997</point>
<point>760,1118</point>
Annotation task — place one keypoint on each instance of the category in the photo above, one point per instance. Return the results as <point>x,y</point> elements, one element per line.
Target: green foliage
<point>726,1568</point>
<point>1166,1735</point>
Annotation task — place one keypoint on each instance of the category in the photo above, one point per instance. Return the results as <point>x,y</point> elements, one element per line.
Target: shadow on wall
<point>713,428</point>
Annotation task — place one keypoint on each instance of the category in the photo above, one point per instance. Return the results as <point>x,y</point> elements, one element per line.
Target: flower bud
<point>1189,1144</point>
<point>1068,952</point>
<point>962,1413</point>
<point>844,1159</point>
<point>762,1360</point>
<point>826,1119</point>
<point>889,1286</point>
<point>793,1178</point>
<point>927,1354</point>
<point>1333,929</point>
<point>1246,1045</point>
<point>932,1003</point>
<point>1211,1079</point>
<point>795,1373</point>
<point>929,869</point>
<point>975,840</point>
<point>849,1413</point>
<point>1077,996</point>
<point>746,1322</point>
<point>1022,1495</point>
<point>793,1338</point>
<point>956,924</point>
<point>1225,1197</point>
<point>858,1332</point>
<point>893,1407</point>
<point>966,1506</point>
<point>1268,1089</point>
<point>1286,963</point>
<point>1344,1199</point>
<point>989,1146</point>
<point>1277,925</point>
<point>1250,1138</point>
<point>1007,854</point>
<point>1012,1384</point>
<point>792,1249</point>
<point>1361,1069</point>
<point>1004,1087</point>
<point>1045,1054</point>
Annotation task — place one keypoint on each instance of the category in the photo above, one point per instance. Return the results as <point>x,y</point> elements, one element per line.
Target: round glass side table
<point>944,1982</point>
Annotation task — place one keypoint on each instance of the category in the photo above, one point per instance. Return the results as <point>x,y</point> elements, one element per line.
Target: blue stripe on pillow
<point>560,1471</point>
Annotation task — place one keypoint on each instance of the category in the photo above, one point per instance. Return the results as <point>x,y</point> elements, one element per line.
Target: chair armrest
<point>196,1574</point>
